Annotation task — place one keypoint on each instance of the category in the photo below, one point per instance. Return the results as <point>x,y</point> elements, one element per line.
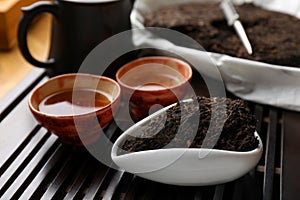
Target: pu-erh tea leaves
<point>223,123</point>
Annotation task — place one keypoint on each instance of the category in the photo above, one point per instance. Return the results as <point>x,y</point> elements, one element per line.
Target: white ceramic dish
<point>182,166</point>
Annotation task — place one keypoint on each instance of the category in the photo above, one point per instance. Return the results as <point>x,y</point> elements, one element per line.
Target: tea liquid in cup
<point>63,103</point>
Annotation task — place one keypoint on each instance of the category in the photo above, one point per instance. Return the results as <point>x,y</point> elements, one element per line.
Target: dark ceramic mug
<point>78,26</point>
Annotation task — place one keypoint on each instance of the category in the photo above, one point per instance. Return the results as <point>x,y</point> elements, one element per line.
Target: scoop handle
<point>229,11</point>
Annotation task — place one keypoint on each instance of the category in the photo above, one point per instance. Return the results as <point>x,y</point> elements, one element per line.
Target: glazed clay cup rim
<point>75,75</point>
<point>153,59</point>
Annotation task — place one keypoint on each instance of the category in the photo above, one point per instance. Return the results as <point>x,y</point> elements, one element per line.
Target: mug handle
<point>29,13</point>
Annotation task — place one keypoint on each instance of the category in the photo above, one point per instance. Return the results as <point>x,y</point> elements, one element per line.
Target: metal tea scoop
<point>232,18</point>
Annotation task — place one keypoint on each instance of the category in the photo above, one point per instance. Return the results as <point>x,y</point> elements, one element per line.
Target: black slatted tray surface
<point>35,165</point>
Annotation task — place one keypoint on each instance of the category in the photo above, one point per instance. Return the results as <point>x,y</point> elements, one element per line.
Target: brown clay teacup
<point>150,83</point>
<point>76,106</point>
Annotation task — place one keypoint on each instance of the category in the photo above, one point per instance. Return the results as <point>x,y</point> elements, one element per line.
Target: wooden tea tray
<point>10,14</point>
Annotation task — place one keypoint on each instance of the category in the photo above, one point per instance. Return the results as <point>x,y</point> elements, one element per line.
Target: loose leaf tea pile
<point>206,23</point>
<point>218,123</point>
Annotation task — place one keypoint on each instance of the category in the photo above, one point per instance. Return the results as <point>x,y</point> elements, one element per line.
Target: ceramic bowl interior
<point>184,166</point>
<point>154,73</point>
<point>60,83</point>
<point>66,124</point>
<point>150,81</point>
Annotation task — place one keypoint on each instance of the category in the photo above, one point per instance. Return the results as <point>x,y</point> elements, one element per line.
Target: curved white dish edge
<point>185,166</point>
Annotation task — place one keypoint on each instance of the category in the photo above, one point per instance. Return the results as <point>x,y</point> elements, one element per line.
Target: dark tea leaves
<point>186,125</point>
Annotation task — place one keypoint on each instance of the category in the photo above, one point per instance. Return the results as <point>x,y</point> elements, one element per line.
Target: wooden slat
<point>219,192</point>
<point>152,189</point>
<point>199,194</point>
<point>15,129</point>
<point>237,192</point>
<point>21,160</point>
<point>80,178</point>
<point>16,154</point>
<point>43,177</point>
<point>270,156</point>
<point>37,168</point>
<point>97,180</point>
<point>258,111</point>
<point>259,114</point>
<point>123,186</point>
<point>20,91</point>
<point>26,172</point>
<point>60,177</point>
<point>113,184</point>
<point>132,188</point>
<point>208,192</point>
<point>290,176</point>
<point>182,192</point>
<point>261,168</point>
<point>58,187</point>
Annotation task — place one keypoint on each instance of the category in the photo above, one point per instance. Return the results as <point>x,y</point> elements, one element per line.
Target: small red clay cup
<point>150,83</point>
<point>76,106</point>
